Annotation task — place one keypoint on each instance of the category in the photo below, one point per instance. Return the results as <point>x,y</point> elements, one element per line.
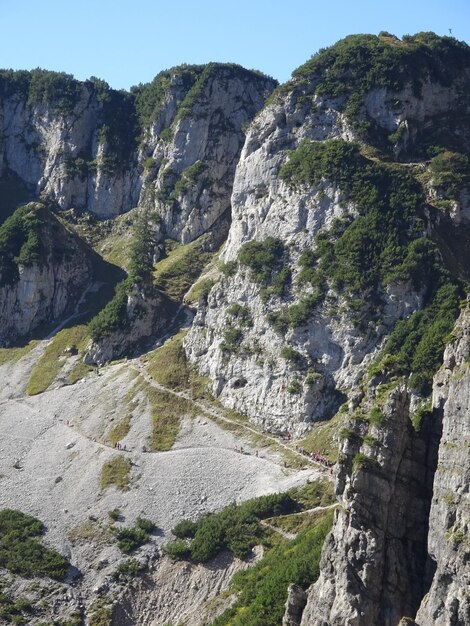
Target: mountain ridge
<point>335,315</point>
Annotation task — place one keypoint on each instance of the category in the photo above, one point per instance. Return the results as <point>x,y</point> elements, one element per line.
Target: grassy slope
<point>175,274</point>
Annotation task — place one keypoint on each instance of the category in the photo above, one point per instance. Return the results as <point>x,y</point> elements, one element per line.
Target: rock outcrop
<point>374,561</point>
<point>192,148</point>
<point>447,601</point>
<point>57,142</point>
<point>44,271</point>
<point>145,313</point>
<point>383,559</point>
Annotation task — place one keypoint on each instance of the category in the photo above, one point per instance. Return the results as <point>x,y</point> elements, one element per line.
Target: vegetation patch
<point>235,528</point>
<point>268,262</point>
<point>200,289</point>
<point>175,274</point>
<point>100,614</point>
<point>14,610</point>
<point>150,97</point>
<point>116,472</point>
<point>170,367</point>
<point>130,568</point>
<point>450,172</point>
<point>323,436</point>
<point>14,354</point>
<point>262,589</point>
<point>416,344</point>
<point>130,539</point>
<point>188,179</point>
<point>90,531</point>
<point>79,371</point>
<point>167,411</point>
<point>241,314</point>
<point>297,522</point>
<point>422,412</point>
<point>376,416</point>
<point>22,553</point>
<point>120,430</point>
<point>57,89</point>
<point>363,462</point>
<point>20,241</point>
<point>233,337</point>
<point>292,356</point>
<point>113,317</point>
<point>49,365</point>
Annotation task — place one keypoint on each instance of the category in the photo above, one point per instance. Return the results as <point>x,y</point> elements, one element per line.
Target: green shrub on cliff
<point>114,316</point>
<point>267,261</point>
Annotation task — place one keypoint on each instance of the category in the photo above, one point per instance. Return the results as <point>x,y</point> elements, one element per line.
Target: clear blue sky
<point>126,42</point>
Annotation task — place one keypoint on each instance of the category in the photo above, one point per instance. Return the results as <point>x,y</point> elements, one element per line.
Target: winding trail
<point>289,535</point>
<point>211,411</point>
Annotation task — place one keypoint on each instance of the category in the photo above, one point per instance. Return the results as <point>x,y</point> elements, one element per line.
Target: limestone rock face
<point>447,601</point>
<point>41,145</point>
<point>373,562</point>
<point>71,156</point>
<point>194,150</point>
<point>47,289</point>
<point>390,544</point>
<point>254,379</point>
<point>295,604</point>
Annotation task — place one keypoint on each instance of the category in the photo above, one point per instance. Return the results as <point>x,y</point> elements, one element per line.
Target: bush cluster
<point>58,89</point>
<point>450,172</point>
<point>129,539</point>
<point>20,242</point>
<point>20,550</point>
<point>268,262</point>
<point>416,344</point>
<point>113,317</point>
<point>235,528</point>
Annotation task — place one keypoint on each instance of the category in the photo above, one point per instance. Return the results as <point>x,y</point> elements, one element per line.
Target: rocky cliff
<point>44,271</point>
<point>172,144</point>
<point>447,601</point>
<point>313,307</point>
<point>399,545</point>
<point>298,316</point>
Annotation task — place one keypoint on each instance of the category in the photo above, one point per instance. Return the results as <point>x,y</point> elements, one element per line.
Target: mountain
<point>311,241</point>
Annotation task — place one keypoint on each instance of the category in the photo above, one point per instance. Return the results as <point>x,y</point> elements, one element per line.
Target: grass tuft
<point>116,472</point>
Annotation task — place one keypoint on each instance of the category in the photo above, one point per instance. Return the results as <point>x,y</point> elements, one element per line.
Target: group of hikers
<point>315,456</point>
